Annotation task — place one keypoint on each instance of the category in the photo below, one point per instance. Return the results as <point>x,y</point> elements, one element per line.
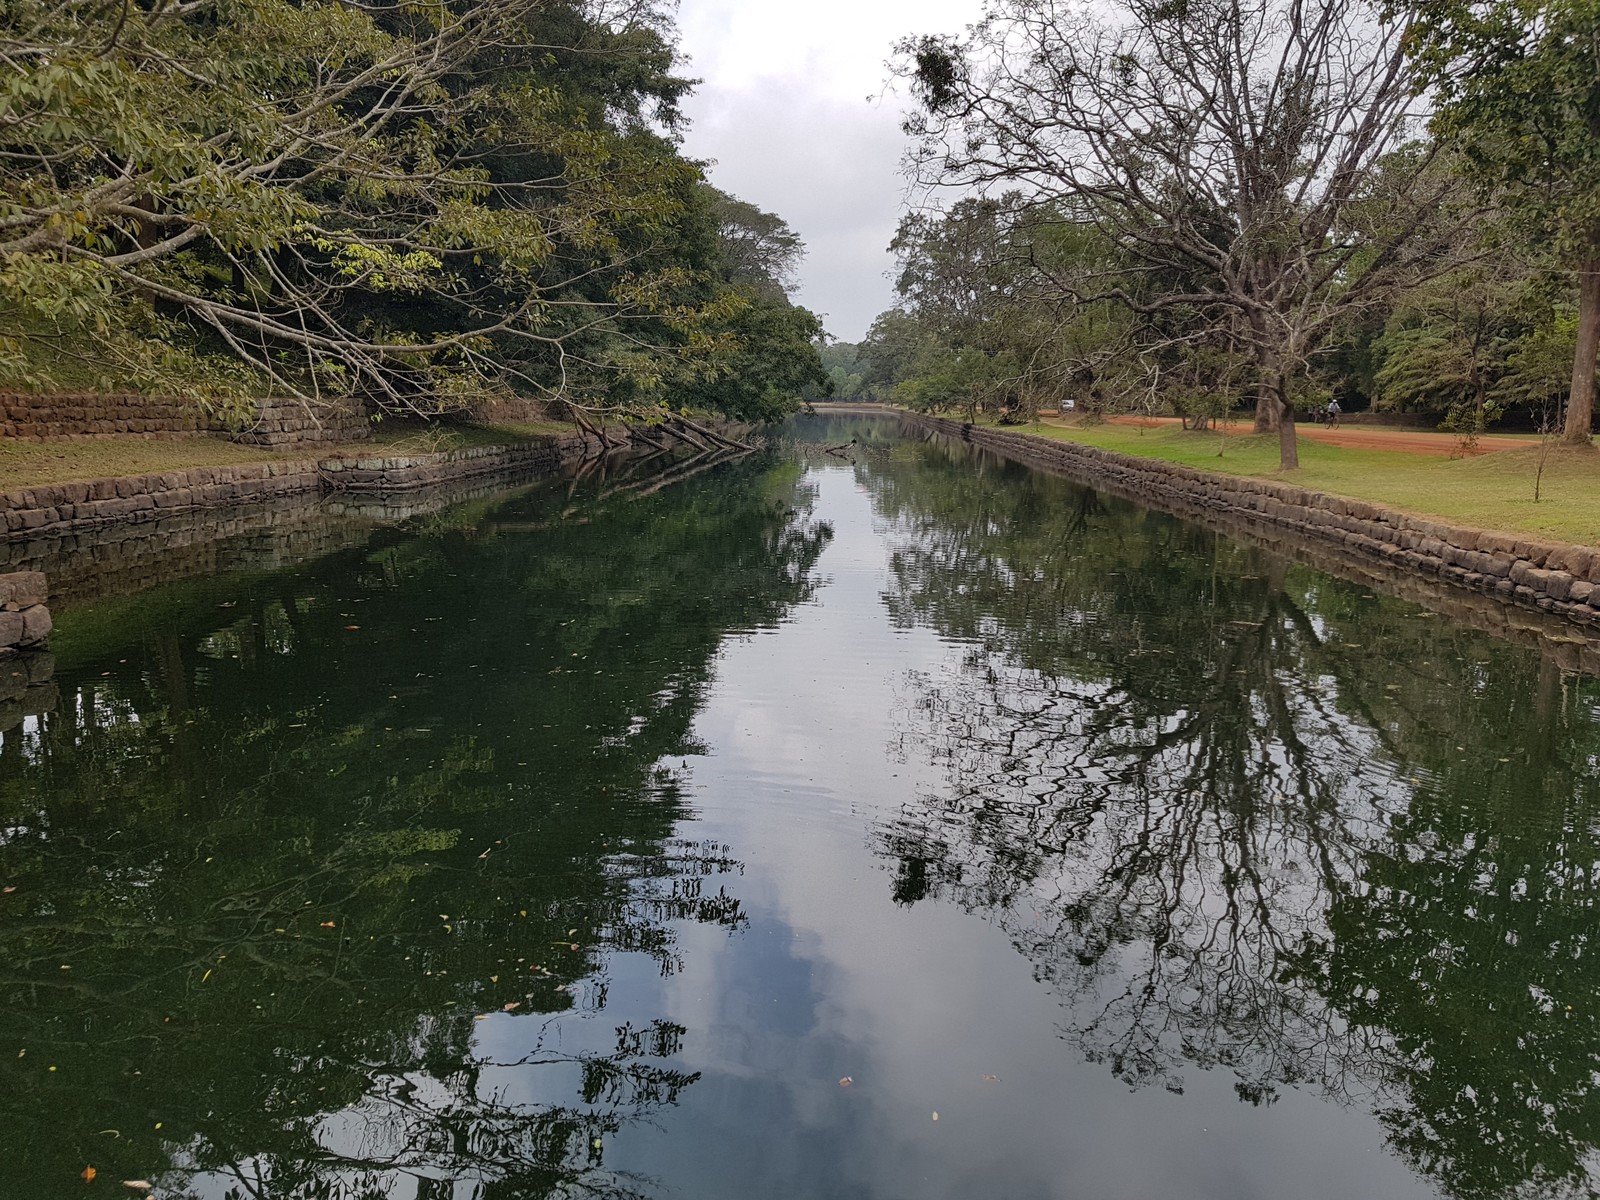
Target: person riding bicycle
<point>1333,412</point>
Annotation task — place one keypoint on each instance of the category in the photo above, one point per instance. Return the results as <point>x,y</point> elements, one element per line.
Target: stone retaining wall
<point>406,472</point>
<point>59,510</point>
<point>74,416</point>
<point>126,557</point>
<point>514,411</point>
<point>51,510</point>
<point>281,423</point>
<point>24,619</point>
<point>388,508</point>
<point>1562,580</point>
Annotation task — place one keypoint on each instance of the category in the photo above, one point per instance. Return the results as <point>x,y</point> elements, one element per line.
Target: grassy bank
<point>27,464</point>
<point>1490,491</point>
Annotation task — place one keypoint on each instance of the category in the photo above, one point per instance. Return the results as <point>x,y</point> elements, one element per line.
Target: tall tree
<point>759,249</point>
<point>1257,158</point>
<point>410,202</point>
<point>1519,83</point>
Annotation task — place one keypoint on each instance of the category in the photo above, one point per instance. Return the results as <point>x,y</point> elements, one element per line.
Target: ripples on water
<point>582,840</point>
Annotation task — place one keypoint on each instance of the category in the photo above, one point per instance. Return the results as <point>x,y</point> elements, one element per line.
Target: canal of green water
<point>899,825</point>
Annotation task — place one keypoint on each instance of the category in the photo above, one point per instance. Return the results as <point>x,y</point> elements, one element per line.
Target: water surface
<point>909,826</point>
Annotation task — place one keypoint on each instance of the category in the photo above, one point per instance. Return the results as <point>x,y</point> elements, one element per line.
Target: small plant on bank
<point>1468,421</point>
<point>1548,429</point>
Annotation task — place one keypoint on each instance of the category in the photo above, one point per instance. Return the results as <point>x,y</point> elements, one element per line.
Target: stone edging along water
<point>1561,580</point>
<point>56,509</point>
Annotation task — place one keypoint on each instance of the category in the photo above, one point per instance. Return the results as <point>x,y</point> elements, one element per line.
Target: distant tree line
<point>422,205</point>
<point>1195,207</point>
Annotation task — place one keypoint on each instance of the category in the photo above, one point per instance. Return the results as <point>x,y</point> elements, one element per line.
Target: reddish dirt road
<point>1366,437</point>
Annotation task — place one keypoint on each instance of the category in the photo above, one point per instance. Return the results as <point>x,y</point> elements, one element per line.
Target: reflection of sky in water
<point>915,1004</point>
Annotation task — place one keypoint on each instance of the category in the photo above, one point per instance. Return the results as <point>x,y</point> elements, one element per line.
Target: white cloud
<point>783,109</point>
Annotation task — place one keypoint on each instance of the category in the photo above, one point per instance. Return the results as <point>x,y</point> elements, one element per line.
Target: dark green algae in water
<point>585,842</point>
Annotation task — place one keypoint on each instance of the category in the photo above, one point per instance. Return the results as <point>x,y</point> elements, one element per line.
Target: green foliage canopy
<point>421,205</point>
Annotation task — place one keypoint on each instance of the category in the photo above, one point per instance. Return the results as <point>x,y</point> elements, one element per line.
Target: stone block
<point>36,626</point>
<point>23,589</point>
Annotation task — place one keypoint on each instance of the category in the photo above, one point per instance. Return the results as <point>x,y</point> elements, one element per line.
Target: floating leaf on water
<point>88,1174</point>
<point>846,1081</point>
<point>935,1116</point>
<point>991,1078</point>
<point>329,925</point>
<point>136,1185</point>
<point>512,1007</point>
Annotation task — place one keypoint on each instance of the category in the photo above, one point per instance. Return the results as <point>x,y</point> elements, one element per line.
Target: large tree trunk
<point>1580,404</point>
<point>1266,408</point>
<point>1288,444</point>
<point>1273,409</point>
<point>1266,378</point>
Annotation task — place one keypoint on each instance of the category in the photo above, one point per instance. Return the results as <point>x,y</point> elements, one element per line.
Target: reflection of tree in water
<point>1469,938</point>
<point>299,855</point>
<point>1243,816</point>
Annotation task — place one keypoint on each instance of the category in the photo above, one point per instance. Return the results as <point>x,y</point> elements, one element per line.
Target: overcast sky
<point>783,110</point>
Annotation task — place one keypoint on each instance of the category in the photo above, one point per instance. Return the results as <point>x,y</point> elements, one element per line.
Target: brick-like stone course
<point>281,423</point>
<point>49,510</point>
<point>67,416</point>
<point>514,410</point>
<point>75,416</point>
<point>1553,578</point>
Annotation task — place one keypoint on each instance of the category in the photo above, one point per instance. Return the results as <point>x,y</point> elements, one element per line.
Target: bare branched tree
<point>1258,160</point>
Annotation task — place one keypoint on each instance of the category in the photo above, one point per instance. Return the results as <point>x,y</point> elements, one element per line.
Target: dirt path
<point>1364,437</point>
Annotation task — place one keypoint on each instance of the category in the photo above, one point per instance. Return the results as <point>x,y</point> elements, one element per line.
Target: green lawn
<point>1490,491</point>
<point>26,464</point>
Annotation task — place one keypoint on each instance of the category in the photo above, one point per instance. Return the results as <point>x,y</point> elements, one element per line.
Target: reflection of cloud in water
<point>326,817</point>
